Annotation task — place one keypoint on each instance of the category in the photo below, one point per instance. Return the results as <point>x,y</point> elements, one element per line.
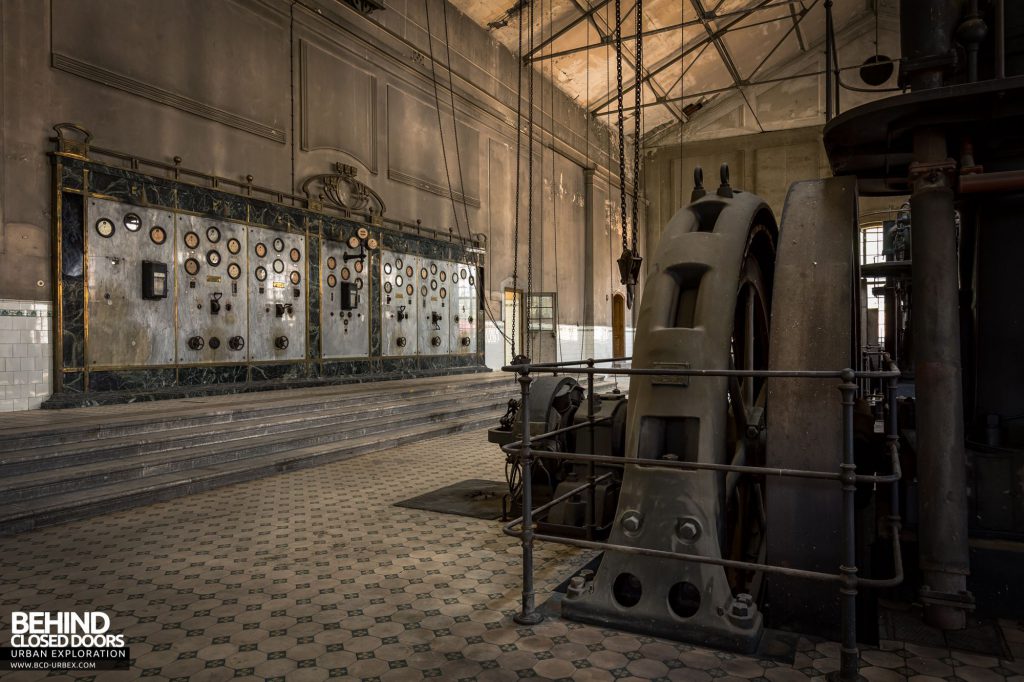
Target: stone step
<point>251,426</point>
<point>103,422</point>
<point>70,479</point>
<point>24,516</point>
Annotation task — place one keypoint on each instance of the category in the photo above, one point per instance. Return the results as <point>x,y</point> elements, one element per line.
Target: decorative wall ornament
<point>365,6</point>
<point>343,190</point>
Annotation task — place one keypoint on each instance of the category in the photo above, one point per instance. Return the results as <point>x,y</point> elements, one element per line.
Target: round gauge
<point>261,273</point>
<point>387,287</point>
<point>278,265</point>
<point>158,235</point>
<point>332,263</point>
<point>455,278</point>
<point>363,233</point>
<point>423,290</point>
<point>423,273</point>
<point>410,290</point>
<point>398,263</point>
<point>213,234</point>
<point>433,268</point>
<point>359,284</point>
<point>443,275</point>
<point>234,246</point>
<point>261,250</point>
<point>433,285</point>
<point>279,245</point>
<point>295,255</point>
<point>132,222</point>
<point>471,280</point>
<point>409,271</point>
<point>191,240</point>
<point>295,277</point>
<point>234,270</point>
<point>345,273</point>
<point>398,280</point>
<point>462,272</point>
<point>213,257</point>
<point>192,266</point>
<point>443,292</point>
<point>371,243</point>
<point>358,266</point>
<point>353,242</point>
<point>105,227</point>
<point>331,280</point>
<point>387,268</point>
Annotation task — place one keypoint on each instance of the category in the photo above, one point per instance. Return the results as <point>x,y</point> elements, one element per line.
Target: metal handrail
<point>846,577</point>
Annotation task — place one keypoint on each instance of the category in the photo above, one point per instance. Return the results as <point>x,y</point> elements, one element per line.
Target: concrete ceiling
<point>694,51</point>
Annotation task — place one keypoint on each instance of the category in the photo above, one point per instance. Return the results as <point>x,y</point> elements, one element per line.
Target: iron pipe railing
<point>847,578</point>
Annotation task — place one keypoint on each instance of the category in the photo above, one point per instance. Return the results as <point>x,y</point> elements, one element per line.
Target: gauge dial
<point>158,235</point>
<point>261,273</point>
<point>423,290</point>
<point>331,280</point>
<point>371,243</point>
<point>213,257</point>
<point>234,271</point>
<point>213,234</point>
<point>261,250</point>
<point>409,289</point>
<point>398,263</point>
<point>363,233</point>
<point>399,280</point>
<point>132,222</point>
<point>462,272</point>
<point>332,263</point>
<point>472,281</point>
<point>455,278</point>
<point>278,265</point>
<point>105,227</point>
<point>387,287</point>
<point>191,240</point>
<point>443,275</point>
<point>345,273</point>
<point>279,245</point>
<point>443,292</point>
<point>295,255</point>
<point>192,266</point>
<point>409,271</point>
<point>387,268</point>
<point>358,266</point>
<point>295,277</point>
<point>234,246</point>
<point>433,268</point>
<point>359,284</point>
<point>353,242</point>
<point>433,285</point>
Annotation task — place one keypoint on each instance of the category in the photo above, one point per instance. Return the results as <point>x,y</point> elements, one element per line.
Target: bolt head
<point>688,530</point>
<point>631,521</point>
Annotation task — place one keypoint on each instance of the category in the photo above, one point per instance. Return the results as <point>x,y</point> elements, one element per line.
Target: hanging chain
<point>637,130</point>
<point>519,150</point>
<point>621,126</point>
<point>527,304</point>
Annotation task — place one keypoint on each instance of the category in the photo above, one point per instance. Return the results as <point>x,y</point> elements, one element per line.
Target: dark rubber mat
<point>475,498</point>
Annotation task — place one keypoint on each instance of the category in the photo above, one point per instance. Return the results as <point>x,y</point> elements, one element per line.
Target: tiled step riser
<point>251,448</point>
<point>86,433</point>
<point>215,480</point>
<point>151,443</point>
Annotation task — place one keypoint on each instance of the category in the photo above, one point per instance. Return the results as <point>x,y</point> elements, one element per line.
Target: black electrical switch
<point>154,280</point>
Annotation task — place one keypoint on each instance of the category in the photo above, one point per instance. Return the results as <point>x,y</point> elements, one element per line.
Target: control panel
<point>464,307</point>
<point>345,305</point>
<point>212,293</point>
<point>130,285</point>
<point>399,298</point>
<point>277,298</point>
<point>433,307</point>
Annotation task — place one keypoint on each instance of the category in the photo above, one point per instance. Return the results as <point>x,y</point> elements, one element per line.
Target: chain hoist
<point>630,261</point>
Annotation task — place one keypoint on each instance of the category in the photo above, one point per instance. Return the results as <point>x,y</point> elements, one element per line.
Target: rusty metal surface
<point>811,329</point>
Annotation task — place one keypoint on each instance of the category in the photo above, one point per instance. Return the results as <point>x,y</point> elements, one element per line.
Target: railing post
<point>528,616</point>
<point>591,471</point>
<point>849,657</point>
<point>892,436</point>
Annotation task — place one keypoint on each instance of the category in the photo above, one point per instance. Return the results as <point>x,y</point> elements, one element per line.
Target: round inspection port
<point>627,590</point>
<point>684,599</point>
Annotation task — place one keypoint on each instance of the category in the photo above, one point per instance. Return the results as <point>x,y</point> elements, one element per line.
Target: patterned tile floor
<point>314,574</point>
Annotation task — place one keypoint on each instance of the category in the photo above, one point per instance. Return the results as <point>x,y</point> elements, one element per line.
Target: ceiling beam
<point>565,29</point>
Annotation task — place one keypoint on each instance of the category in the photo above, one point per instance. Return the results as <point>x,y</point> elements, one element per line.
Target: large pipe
<point>926,36</point>
<point>944,556</point>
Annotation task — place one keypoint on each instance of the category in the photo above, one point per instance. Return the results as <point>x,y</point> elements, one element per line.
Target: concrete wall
<point>282,91</point>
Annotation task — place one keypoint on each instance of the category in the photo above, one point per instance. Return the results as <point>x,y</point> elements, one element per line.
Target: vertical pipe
<point>829,103</point>
<point>892,436</point>
<point>944,553</point>
<point>591,479</point>
<point>528,616</point>
<point>849,657</point>
<point>1000,39</point>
